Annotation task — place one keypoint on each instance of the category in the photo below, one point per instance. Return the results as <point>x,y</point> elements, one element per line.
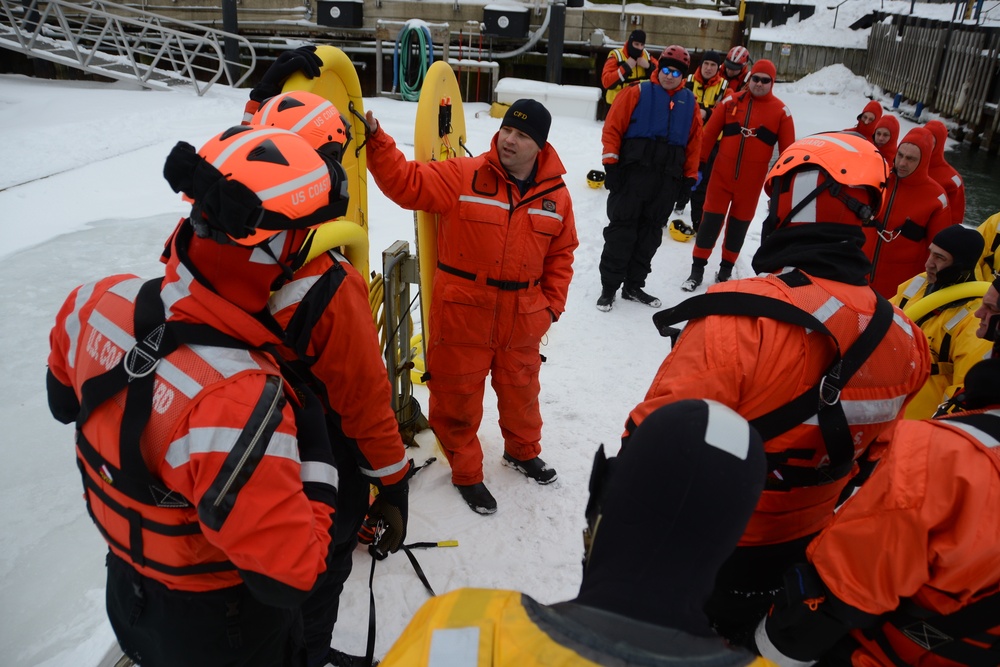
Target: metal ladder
<point>123,43</point>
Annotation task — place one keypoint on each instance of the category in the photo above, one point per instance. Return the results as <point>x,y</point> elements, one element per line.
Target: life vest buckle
<point>828,394</point>
<point>748,131</point>
<point>143,359</point>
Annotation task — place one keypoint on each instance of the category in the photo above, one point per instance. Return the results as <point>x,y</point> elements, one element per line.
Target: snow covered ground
<point>82,196</point>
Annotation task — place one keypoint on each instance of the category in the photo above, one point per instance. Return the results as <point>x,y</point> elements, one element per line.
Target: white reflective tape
<point>201,441</point>
<point>548,214</point>
<point>386,470</point>
<point>291,294</point>
<point>275,243</point>
<point>609,156</point>
<point>956,319</point>
<point>111,331</point>
<point>226,361</point>
<point>454,647</point>
<point>902,323</point>
<point>208,440</point>
<point>243,138</point>
<point>944,200</point>
<point>914,286</point>
<point>828,309</point>
<point>178,379</point>
<point>484,200</point>
<point>72,325</point>
<point>726,430</point>
<point>980,435</point>
<point>176,290</point>
<point>804,183</point>
<point>957,180</point>
<point>317,174</point>
<point>868,411</point>
<point>284,446</point>
<point>768,650</point>
<point>319,473</point>
<point>127,289</point>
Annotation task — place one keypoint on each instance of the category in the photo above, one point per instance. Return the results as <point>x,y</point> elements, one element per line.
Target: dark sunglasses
<point>760,79</point>
<point>676,73</point>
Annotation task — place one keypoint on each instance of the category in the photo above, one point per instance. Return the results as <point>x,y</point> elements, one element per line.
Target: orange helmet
<point>312,117</point>
<point>836,169</point>
<point>737,57</point>
<point>248,184</point>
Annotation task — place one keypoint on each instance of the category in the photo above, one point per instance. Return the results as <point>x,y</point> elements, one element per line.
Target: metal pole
<point>557,34</point>
<point>230,48</point>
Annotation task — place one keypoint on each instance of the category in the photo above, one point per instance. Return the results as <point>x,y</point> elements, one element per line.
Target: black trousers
<point>321,608</point>
<point>745,586</point>
<point>160,627</point>
<point>634,231</point>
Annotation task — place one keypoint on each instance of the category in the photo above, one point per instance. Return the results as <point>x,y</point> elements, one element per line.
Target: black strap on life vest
<point>821,400</point>
<point>310,309</point>
<point>943,635</point>
<point>135,372</point>
<point>989,259</point>
<point>502,285</point>
<point>912,231</point>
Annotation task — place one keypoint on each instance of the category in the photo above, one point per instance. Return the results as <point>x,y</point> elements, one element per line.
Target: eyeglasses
<point>670,71</point>
<point>760,79</point>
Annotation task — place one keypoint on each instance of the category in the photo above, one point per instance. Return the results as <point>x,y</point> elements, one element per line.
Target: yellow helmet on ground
<point>680,231</point>
<point>595,178</point>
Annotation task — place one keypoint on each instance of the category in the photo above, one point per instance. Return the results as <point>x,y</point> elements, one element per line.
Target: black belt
<point>504,285</point>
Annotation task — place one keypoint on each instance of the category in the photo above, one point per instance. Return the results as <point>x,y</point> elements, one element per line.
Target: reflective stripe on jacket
<point>221,439</point>
<point>340,349</point>
<point>755,365</point>
<point>489,235</point>
<point>924,530</point>
<point>954,346</point>
<point>494,628</point>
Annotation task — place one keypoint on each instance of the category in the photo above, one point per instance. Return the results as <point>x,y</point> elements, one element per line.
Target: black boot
<point>478,498</point>
<point>606,300</point>
<point>692,282</point>
<point>636,294</point>
<point>535,468</point>
<point>725,272</point>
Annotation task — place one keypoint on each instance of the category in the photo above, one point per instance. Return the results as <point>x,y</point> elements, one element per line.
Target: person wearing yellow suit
<point>686,482</point>
<point>989,263</point>
<point>950,328</point>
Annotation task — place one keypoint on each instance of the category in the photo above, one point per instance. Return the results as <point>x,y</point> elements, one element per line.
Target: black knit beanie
<point>529,117</point>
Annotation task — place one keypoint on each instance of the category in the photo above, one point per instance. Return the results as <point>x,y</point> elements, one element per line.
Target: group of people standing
<point>239,402</point>
<point>708,137</point>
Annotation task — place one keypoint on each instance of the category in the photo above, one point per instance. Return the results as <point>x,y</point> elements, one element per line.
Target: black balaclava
<point>671,506</point>
<point>965,245</point>
<point>635,36</point>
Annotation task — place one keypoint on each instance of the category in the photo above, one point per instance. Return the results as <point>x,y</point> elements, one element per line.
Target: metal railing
<point>124,43</point>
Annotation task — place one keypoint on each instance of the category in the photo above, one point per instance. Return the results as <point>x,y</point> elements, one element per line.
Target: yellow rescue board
<point>434,139</point>
<point>338,82</point>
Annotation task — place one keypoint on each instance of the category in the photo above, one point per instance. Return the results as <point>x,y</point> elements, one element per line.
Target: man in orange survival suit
<point>945,174</point>
<point>866,120</point>
<point>759,364</point>
<point>751,122</point>
<point>908,571</point>
<point>914,210</point>
<point>332,342</point>
<point>215,499</point>
<point>505,241</point>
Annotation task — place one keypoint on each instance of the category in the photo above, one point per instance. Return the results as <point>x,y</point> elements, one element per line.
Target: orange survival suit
<point>760,357</point>
<point>909,566</point>
<point>504,266</point>
<point>946,175</point>
<point>914,210</point>
<point>749,128</point>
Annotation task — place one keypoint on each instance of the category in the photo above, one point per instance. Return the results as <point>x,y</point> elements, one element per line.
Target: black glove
<point>612,174</point>
<point>302,59</point>
<point>391,511</point>
<point>689,183</point>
